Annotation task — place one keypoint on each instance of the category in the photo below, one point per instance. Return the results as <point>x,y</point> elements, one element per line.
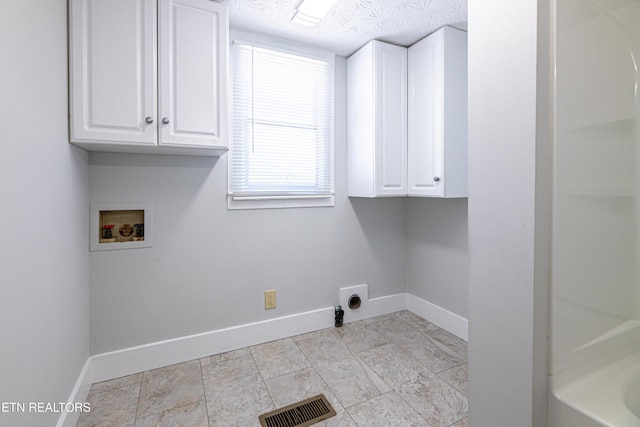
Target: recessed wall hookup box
<point>120,226</point>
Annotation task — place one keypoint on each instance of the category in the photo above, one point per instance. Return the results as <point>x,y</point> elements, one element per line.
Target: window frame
<point>275,201</point>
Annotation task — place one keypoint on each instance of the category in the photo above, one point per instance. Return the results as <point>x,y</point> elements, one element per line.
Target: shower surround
<point>595,301</point>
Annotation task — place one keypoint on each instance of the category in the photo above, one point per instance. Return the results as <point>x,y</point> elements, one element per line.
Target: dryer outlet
<point>346,294</point>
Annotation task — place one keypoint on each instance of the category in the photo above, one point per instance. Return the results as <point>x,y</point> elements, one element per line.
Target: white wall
<point>508,212</point>
<point>437,252</point>
<point>44,310</point>
<point>209,267</point>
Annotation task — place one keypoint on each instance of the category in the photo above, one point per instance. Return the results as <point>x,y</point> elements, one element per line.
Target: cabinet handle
<point>149,119</point>
<point>165,120</point>
<point>436,178</point>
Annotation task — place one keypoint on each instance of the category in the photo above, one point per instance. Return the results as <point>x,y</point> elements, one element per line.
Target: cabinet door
<point>391,119</point>
<point>112,71</point>
<point>193,51</point>
<point>425,141</point>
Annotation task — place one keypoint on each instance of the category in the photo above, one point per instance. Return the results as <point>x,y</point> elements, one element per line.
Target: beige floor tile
<point>112,408</point>
<point>230,355</point>
<point>359,336</point>
<point>170,387</point>
<point>116,383</point>
<point>235,393</point>
<point>314,335</point>
<point>342,419</point>
<point>435,400</point>
<point>384,411</point>
<point>191,415</point>
<point>416,322</point>
<point>373,377</point>
<point>462,423</point>
<point>456,344</point>
<point>344,373</point>
<point>278,358</point>
<point>379,318</point>
<point>428,351</point>
<point>294,387</point>
<point>458,378</point>
<point>221,357</point>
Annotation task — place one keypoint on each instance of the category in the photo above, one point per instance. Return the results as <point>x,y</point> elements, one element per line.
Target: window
<point>282,148</point>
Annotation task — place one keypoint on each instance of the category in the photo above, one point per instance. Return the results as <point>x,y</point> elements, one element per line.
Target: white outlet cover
<point>343,299</point>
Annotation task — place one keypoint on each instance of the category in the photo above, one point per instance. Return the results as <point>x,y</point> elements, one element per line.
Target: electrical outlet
<point>270,299</point>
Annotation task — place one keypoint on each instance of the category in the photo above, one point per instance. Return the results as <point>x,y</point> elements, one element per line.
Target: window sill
<point>278,202</point>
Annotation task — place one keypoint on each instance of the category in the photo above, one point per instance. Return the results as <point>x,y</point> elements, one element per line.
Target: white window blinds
<point>282,124</point>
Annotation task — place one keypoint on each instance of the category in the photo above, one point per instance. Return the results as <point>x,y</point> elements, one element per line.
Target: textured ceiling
<point>350,24</point>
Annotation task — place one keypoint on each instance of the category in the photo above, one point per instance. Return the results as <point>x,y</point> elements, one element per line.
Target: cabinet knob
<point>436,178</point>
<point>149,119</point>
<point>165,120</point>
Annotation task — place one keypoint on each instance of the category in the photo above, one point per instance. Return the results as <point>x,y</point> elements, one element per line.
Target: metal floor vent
<point>301,414</point>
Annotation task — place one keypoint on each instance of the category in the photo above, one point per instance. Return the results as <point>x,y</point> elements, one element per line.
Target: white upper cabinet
<point>377,120</point>
<point>149,76</point>
<point>192,58</point>
<point>437,143</point>
<point>113,71</point>
<point>407,118</point>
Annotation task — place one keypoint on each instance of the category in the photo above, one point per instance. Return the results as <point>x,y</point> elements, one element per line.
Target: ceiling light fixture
<point>310,12</point>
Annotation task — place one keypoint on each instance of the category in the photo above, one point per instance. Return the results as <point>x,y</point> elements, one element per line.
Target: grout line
<point>428,337</point>
<point>324,381</point>
<point>194,361</point>
<point>264,383</point>
<point>457,421</point>
<point>401,349</point>
<point>204,393</point>
<point>313,367</point>
<point>139,397</point>
<point>455,387</point>
<point>405,351</point>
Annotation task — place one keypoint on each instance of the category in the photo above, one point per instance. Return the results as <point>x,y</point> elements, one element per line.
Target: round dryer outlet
<point>354,301</point>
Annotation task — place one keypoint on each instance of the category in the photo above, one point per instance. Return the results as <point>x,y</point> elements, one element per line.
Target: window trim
<point>276,201</point>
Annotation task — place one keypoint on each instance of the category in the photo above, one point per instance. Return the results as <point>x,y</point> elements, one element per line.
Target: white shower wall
<point>595,286</point>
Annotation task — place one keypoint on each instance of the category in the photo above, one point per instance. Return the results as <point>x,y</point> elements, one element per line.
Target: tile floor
<point>387,371</point>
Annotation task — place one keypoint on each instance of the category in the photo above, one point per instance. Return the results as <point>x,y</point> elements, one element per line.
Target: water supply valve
<point>339,316</point>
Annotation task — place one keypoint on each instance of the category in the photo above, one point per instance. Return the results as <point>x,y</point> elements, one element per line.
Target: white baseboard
<point>385,305</point>
<point>78,394</point>
<point>457,325</point>
<point>115,364</point>
<point>164,353</point>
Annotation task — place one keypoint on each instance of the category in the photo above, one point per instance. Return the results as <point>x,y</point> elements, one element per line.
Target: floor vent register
<point>301,414</point>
